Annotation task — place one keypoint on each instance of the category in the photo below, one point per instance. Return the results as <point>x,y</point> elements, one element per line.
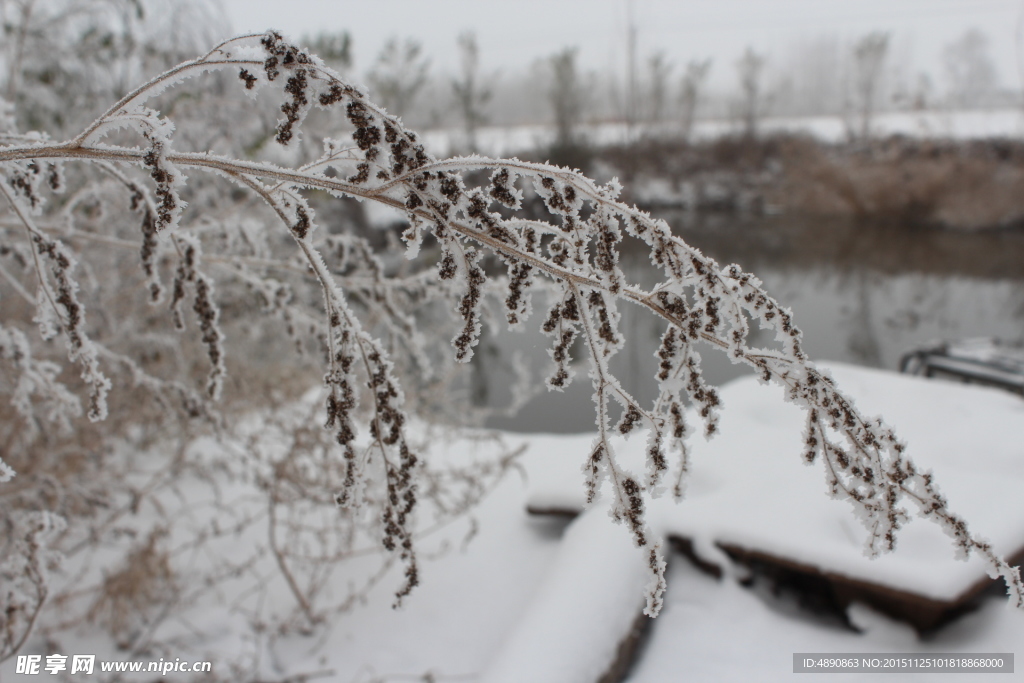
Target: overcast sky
<point>514,33</point>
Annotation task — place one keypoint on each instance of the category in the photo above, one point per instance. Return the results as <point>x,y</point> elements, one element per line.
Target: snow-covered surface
<point>524,602</point>
<point>717,631</point>
<point>506,140</point>
<point>749,488</point>
<point>581,612</point>
<point>1001,355</point>
<point>965,124</point>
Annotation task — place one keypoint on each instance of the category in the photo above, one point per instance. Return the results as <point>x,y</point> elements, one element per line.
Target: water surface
<point>861,293</point>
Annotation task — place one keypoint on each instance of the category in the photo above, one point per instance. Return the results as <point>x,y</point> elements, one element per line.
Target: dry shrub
<point>132,598</point>
<point>965,185</point>
<point>897,180</point>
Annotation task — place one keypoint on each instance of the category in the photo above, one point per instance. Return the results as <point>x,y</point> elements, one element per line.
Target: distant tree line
<point>854,80</point>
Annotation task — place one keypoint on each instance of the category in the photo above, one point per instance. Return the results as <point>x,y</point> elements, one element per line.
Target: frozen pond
<point>863,294</point>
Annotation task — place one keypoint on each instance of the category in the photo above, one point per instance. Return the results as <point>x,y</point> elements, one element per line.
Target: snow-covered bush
<point>380,325</point>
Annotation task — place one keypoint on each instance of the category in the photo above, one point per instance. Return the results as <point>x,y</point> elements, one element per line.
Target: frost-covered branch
<point>572,255</point>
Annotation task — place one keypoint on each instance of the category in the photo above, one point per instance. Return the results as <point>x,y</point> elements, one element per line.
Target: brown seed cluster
<point>204,306</point>
<point>503,189</point>
<point>562,324</point>
<point>166,177</point>
<point>469,309</point>
<point>72,317</point>
<point>148,250</point>
<point>248,79</point>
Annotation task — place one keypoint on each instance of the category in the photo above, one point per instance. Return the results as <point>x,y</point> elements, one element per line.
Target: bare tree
<point>969,69</point>
<point>869,55</point>
<point>566,97</point>
<point>689,97</point>
<point>658,70</point>
<point>814,67</point>
<point>753,101</point>
<point>399,74</point>
<point>631,105</point>
<point>470,94</point>
<point>334,47</point>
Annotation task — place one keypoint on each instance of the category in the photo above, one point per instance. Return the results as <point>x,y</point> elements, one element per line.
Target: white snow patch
<point>748,487</point>
<point>480,605</point>
<point>503,141</point>
<point>583,610</point>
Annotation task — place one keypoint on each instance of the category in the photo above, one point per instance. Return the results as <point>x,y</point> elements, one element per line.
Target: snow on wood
<point>713,631</point>
<point>582,622</point>
<point>980,361</point>
<point>748,491</point>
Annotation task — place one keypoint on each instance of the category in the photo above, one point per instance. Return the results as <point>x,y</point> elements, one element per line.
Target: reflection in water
<point>862,343</point>
<point>860,294</point>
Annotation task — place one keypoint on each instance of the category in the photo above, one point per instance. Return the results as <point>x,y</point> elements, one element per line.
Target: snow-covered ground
<point>982,123</point>
<point>747,487</point>
<point>524,603</point>
<point>531,600</point>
